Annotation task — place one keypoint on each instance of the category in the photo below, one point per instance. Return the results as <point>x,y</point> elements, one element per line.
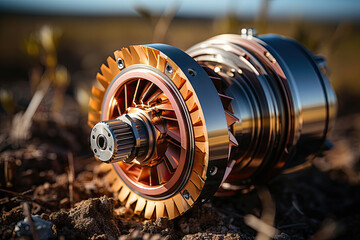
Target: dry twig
<point>264,225</point>
<point>71,176</point>
<point>27,214</point>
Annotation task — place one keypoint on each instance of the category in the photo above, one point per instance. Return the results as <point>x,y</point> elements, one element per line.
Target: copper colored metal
<point>174,128</point>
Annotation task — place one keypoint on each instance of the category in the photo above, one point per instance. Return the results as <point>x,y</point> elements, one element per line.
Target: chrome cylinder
<point>281,97</point>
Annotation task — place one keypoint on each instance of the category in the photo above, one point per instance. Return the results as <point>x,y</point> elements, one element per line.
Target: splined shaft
<point>121,139</point>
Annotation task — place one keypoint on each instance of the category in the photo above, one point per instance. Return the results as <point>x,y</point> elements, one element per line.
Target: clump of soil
<point>93,218</point>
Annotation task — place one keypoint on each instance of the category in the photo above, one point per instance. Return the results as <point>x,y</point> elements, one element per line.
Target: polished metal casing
<point>281,96</point>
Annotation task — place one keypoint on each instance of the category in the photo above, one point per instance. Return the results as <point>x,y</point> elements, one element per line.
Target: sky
<point>318,9</point>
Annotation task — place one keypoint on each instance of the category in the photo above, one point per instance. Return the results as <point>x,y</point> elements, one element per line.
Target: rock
<point>43,228</point>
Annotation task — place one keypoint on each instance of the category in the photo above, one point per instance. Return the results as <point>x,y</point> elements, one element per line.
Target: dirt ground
<point>55,175</point>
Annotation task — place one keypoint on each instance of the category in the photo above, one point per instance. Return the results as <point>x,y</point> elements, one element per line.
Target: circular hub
<point>102,142</point>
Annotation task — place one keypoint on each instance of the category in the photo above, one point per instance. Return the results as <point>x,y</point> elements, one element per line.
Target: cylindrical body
<point>230,112</point>
<point>281,97</point>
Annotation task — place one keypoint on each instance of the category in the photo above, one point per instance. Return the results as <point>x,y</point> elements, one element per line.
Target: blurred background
<point>84,33</point>
<point>50,52</point>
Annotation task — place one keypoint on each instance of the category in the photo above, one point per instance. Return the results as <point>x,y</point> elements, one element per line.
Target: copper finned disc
<point>169,181</point>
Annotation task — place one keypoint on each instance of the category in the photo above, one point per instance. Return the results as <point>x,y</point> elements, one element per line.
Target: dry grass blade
<point>71,176</point>
<point>15,193</point>
<point>22,122</point>
<point>264,225</point>
<point>163,23</point>
<point>27,214</point>
<point>23,197</point>
<point>261,21</point>
<point>7,173</point>
<point>297,168</point>
<point>265,231</point>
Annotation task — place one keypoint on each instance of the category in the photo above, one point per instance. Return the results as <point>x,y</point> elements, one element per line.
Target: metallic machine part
<point>112,140</point>
<point>230,112</point>
<point>283,102</point>
<point>123,139</point>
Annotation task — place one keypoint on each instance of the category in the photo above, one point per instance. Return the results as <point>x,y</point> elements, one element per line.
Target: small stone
<point>43,228</point>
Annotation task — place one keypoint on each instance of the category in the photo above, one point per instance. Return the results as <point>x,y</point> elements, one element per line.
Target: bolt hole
<point>213,170</point>
<point>95,151</point>
<point>109,135</point>
<point>186,194</point>
<point>192,72</point>
<point>93,137</point>
<point>101,142</point>
<point>169,69</point>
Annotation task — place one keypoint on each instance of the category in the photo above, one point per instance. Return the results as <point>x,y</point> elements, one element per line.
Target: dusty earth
<point>55,175</point>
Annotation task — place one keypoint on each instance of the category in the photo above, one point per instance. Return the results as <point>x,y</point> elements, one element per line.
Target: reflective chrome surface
<point>282,99</point>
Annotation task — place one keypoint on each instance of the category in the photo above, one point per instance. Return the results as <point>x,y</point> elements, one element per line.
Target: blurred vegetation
<point>41,47</point>
<point>27,54</point>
